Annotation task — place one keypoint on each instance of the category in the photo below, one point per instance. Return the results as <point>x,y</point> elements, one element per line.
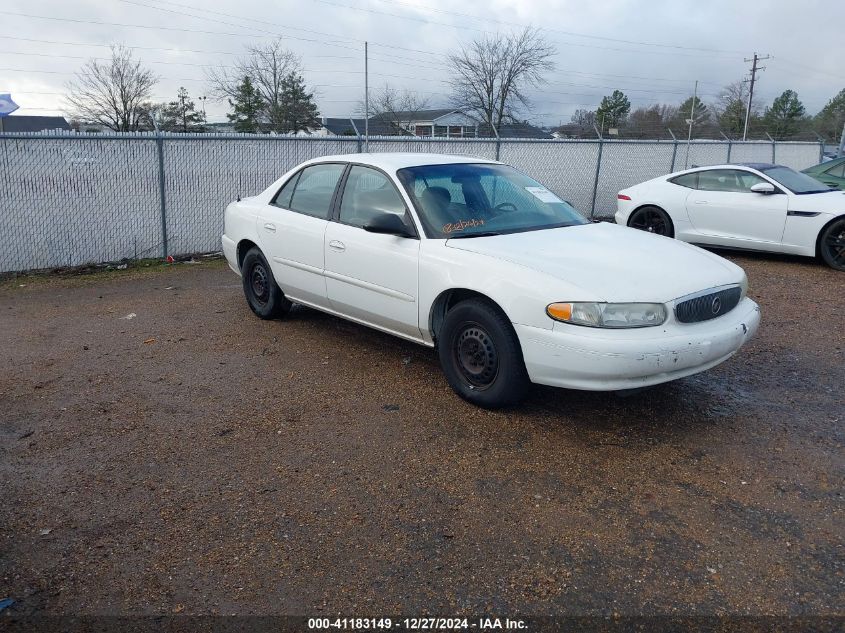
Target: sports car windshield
<point>475,200</point>
<point>795,181</point>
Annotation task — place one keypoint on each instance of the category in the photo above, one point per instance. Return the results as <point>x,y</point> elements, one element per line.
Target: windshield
<point>472,200</point>
<point>795,181</point>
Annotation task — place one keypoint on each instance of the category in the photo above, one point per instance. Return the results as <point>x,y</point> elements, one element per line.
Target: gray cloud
<point>653,50</point>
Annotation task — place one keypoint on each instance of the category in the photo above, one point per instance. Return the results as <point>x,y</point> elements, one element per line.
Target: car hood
<point>832,201</point>
<point>610,262</point>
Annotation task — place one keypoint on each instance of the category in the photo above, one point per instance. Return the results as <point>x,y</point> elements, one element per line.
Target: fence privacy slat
<point>70,199</point>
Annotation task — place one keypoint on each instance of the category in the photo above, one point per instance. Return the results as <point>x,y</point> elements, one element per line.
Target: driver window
<point>367,193</point>
<point>727,180</point>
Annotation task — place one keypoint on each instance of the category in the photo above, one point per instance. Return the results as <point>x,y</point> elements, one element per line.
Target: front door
<point>292,228</point>
<point>372,277</point>
<point>723,206</point>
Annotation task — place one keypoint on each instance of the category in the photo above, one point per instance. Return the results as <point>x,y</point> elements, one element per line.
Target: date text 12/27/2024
<point>416,624</point>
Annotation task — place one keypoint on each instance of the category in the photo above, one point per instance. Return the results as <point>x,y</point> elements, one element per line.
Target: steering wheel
<point>503,206</point>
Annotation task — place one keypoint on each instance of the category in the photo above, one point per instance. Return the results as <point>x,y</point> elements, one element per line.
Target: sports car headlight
<point>608,315</point>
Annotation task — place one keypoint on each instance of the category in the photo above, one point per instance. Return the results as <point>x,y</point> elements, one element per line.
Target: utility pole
<point>754,71</point>
<point>366,102</point>
<point>691,119</point>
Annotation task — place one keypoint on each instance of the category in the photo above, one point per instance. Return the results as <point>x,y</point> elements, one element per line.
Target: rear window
<point>687,180</point>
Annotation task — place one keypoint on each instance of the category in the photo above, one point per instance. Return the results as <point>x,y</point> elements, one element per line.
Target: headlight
<point>608,315</point>
<point>743,287</point>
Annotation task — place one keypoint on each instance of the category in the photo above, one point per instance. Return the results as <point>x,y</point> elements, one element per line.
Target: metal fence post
<point>773,147</point>
<point>674,150</point>
<point>598,170</point>
<point>162,197</point>
<point>730,144</point>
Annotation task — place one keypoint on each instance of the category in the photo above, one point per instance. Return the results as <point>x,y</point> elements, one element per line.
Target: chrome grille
<point>708,306</point>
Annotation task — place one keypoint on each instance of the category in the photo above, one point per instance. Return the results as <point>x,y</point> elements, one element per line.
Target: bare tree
<point>490,74</point>
<point>731,105</point>
<point>113,93</point>
<point>395,109</point>
<point>267,66</point>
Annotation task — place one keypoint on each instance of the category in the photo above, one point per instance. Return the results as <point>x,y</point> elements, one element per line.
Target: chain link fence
<point>74,199</point>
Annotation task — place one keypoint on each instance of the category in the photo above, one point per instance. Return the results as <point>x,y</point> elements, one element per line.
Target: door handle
<point>270,227</point>
<point>701,201</point>
<point>337,246</point>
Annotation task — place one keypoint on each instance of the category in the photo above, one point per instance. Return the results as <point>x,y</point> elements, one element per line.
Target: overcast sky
<point>653,50</point>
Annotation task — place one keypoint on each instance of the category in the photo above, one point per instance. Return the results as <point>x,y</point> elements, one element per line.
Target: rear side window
<point>838,171</point>
<point>314,190</point>
<point>367,193</point>
<point>687,180</point>
<point>282,198</point>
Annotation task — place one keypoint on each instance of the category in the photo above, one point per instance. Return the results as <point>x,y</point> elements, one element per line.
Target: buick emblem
<point>716,306</point>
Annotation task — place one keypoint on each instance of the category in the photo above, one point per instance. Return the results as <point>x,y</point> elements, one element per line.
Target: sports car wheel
<point>653,220</point>
<point>263,295</point>
<point>480,355</point>
<point>832,245</point>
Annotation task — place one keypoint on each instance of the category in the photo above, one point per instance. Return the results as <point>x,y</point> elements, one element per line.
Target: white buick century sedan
<point>508,282</point>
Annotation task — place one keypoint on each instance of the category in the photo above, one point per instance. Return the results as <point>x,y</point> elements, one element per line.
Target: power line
<point>709,51</point>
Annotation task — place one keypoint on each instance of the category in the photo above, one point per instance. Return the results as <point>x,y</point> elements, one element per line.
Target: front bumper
<point>609,360</point>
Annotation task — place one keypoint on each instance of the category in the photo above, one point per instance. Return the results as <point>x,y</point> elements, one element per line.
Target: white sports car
<point>506,280</point>
<point>755,206</point>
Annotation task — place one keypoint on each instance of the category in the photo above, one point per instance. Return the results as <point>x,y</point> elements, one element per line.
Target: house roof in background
<point>34,123</point>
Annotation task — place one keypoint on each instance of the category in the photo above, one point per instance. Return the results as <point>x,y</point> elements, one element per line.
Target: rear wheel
<point>653,220</point>
<point>263,295</point>
<point>832,245</point>
<point>480,355</point>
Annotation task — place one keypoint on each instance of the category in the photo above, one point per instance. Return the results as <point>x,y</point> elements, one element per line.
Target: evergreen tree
<point>785,115</point>
<point>613,110</point>
<point>298,110</point>
<point>181,115</point>
<point>830,120</point>
<point>247,107</point>
<point>700,113</point>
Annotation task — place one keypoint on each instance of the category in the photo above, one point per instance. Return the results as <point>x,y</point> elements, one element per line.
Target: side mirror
<point>389,224</point>
<point>763,187</point>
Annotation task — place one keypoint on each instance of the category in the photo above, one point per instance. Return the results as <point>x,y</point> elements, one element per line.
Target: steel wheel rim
<point>260,284</point>
<point>649,220</point>
<point>834,242</point>
<point>475,356</point>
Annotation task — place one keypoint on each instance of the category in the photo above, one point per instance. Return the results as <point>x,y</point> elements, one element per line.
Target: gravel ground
<point>194,459</point>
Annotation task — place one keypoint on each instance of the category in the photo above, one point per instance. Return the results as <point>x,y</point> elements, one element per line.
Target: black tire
<point>832,244</point>
<point>480,355</point>
<point>653,220</point>
<point>263,294</point>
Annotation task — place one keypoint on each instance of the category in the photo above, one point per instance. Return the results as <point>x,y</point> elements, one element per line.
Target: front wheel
<point>263,295</point>
<point>832,245</point>
<point>653,220</point>
<point>480,355</point>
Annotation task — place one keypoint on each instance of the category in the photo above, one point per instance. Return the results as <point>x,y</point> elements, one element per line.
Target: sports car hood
<point>832,201</point>
<point>610,262</point>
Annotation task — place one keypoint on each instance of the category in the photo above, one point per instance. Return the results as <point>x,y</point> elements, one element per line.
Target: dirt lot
<point>193,459</point>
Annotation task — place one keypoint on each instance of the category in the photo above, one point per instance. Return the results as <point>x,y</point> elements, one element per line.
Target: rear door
<point>292,228</point>
<point>724,208</point>
<point>372,277</point>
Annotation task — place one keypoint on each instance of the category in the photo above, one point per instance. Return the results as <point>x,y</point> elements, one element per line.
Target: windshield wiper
<point>478,234</point>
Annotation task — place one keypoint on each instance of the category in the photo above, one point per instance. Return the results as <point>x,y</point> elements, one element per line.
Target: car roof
<point>392,161</point>
<point>757,166</point>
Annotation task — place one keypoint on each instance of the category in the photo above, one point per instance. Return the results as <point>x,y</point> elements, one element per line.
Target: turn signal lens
<point>608,315</point>
<point>559,311</point>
